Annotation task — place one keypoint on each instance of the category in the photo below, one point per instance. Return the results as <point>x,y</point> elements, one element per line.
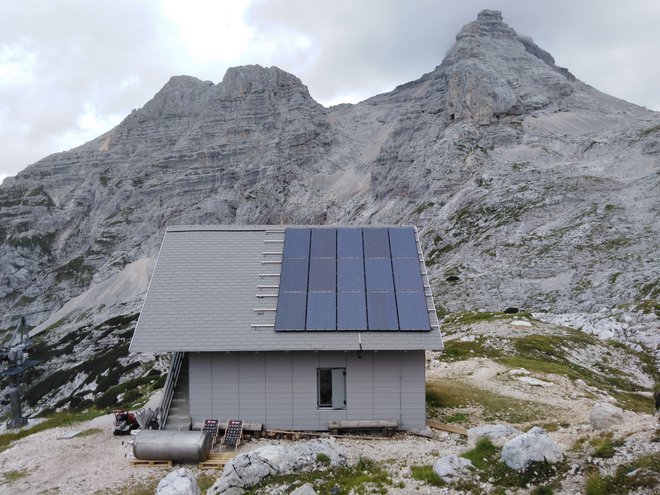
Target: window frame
<point>328,406</point>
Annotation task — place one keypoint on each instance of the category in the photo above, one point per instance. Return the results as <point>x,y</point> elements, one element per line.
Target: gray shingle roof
<point>204,293</point>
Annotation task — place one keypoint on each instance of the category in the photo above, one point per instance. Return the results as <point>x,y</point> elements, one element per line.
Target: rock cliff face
<point>530,188</point>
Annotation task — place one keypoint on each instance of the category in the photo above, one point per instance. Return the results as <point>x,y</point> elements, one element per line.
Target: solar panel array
<point>354,279</point>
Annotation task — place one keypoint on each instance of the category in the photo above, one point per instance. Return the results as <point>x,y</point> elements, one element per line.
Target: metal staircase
<point>175,408</point>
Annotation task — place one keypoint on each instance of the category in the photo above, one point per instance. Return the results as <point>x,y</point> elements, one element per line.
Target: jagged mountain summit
<point>530,188</point>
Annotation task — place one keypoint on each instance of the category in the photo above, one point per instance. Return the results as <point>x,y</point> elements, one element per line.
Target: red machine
<point>124,422</point>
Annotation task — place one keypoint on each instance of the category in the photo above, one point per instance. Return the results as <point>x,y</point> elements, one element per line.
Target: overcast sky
<point>72,69</point>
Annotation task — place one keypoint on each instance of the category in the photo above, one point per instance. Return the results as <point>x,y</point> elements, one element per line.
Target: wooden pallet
<point>140,462</point>
<point>217,460</point>
<point>445,427</point>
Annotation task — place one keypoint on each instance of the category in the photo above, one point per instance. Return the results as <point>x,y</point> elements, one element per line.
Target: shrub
<point>425,473</point>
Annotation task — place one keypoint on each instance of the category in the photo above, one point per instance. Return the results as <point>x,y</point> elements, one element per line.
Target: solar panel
<point>413,311</point>
<point>324,243</point>
<point>322,274</point>
<point>350,274</point>
<point>403,243</point>
<point>326,271</point>
<point>349,243</point>
<point>376,243</point>
<point>381,310</point>
<point>321,311</point>
<point>296,243</point>
<point>291,311</point>
<point>378,274</point>
<point>294,275</point>
<point>351,311</point>
<point>407,274</point>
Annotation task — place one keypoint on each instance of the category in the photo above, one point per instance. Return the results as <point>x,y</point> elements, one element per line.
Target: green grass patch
<point>422,207</point>
<point>13,475</point>
<point>486,458</point>
<point>455,418</point>
<point>494,407</point>
<point>54,421</point>
<point>205,481</point>
<point>637,475</point>
<point>132,487</point>
<point>365,476</point>
<point>75,270</point>
<point>427,475</point>
<point>469,317</point>
<point>604,446</point>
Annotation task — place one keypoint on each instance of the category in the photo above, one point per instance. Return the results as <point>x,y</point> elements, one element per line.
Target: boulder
<point>179,482</point>
<point>451,467</point>
<point>425,432</point>
<point>306,489</point>
<point>605,415</point>
<point>497,434</point>
<point>533,446</point>
<point>250,468</point>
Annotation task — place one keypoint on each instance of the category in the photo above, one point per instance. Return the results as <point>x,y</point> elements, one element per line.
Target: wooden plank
<point>145,463</point>
<point>445,427</point>
<point>217,460</point>
<point>362,423</point>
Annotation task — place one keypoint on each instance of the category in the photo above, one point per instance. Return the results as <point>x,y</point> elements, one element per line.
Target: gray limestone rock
<point>497,434</point>
<point>452,467</point>
<point>250,468</point>
<point>306,489</point>
<point>179,482</point>
<point>605,415</point>
<point>533,446</point>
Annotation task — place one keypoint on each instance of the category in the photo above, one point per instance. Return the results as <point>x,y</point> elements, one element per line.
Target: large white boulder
<point>497,434</point>
<point>179,482</point>
<point>306,489</point>
<point>248,469</point>
<point>451,467</point>
<point>533,446</point>
<point>605,415</point>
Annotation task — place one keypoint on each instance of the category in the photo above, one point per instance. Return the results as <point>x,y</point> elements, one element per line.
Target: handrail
<point>168,389</point>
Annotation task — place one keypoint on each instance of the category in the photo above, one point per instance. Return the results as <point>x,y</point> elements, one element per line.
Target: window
<point>331,388</point>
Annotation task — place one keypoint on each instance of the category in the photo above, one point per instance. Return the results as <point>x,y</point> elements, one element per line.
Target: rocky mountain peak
<point>240,81</point>
<point>491,72</point>
<point>488,23</point>
<point>181,95</point>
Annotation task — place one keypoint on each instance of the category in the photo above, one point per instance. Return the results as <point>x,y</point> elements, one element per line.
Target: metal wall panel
<point>387,385</point>
<point>413,389</point>
<point>225,378</point>
<point>279,390</point>
<point>252,387</point>
<point>305,413</point>
<point>200,385</point>
<point>360,385</point>
<point>283,387</point>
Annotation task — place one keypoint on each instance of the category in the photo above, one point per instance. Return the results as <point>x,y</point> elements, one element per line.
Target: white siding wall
<point>278,389</point>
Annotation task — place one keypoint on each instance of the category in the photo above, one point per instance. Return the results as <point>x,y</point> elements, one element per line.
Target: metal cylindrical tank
<point>167,445</point>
